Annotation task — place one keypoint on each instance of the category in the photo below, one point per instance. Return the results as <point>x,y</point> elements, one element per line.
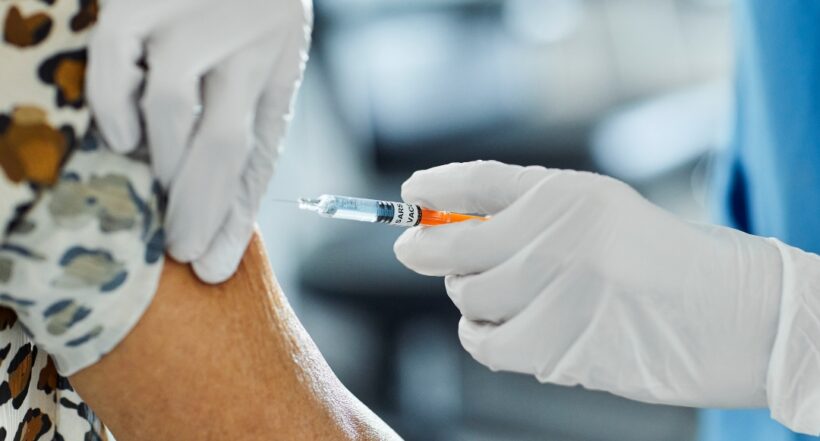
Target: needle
<point>284,201</point>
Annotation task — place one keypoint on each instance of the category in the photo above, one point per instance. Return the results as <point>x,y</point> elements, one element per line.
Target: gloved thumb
<point>478,187</point>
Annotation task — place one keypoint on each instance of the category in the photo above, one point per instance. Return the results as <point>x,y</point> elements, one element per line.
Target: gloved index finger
<point>211,176</point>
<point>479,187</point>
<point>272,114</point>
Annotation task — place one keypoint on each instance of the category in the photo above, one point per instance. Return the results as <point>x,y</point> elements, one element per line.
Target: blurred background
<point>637,89</point>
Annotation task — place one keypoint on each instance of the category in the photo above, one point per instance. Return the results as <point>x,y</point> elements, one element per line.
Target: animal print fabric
<point>36,402</point>
<point>80,227</point>
<point>80,263</point>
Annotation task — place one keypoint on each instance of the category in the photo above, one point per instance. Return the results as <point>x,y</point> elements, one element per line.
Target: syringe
<point>370,210</point>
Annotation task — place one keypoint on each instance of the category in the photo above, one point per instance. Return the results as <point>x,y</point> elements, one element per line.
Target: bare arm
<point>223,362</point>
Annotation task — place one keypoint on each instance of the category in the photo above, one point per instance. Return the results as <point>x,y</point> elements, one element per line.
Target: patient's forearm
<point>223,362</point>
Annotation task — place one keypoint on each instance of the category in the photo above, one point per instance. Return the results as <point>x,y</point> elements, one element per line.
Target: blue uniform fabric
<point>770,179</point>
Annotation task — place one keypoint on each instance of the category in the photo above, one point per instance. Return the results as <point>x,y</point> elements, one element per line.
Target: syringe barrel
<point>386,212</point>
<point>369,210</point>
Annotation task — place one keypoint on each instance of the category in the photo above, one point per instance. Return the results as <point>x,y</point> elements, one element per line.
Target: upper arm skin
<point>223,362</point>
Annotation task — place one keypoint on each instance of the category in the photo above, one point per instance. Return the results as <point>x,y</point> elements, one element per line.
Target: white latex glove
<point>577,279</point>
<point>215,102</point>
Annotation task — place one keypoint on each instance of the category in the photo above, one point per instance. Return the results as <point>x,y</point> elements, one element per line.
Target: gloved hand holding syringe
<point>386,212</point>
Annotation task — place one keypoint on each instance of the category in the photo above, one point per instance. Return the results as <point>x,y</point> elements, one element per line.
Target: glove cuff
<point>793,379</point>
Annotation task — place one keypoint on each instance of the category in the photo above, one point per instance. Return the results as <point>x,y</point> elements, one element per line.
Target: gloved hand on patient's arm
<point>579,280</point>
<point>241,61</point>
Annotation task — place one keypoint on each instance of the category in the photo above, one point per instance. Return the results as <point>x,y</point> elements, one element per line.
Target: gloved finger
<point>470,247</point>
<point>500,293</point>
<point>480,187</point>
<point>420,249</point>
<point>225,252</point>
<point>472,335</point>
<point>171,107</point>
<point>211,175</point>
<point>288,54</point>
<point>482,341</point>
<point>227,248</point>
<point>114,78</point>
<point>179,57</point>
<point>494,347</point>
<point>273,114</point>
<point>551,337</point>
<point>275,109</point>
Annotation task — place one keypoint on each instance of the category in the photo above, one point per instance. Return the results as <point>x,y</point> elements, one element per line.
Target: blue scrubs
<point>771,178</point>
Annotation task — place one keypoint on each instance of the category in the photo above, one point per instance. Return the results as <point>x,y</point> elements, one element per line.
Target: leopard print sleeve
<point>39,71</point>
<point>81,242</point>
